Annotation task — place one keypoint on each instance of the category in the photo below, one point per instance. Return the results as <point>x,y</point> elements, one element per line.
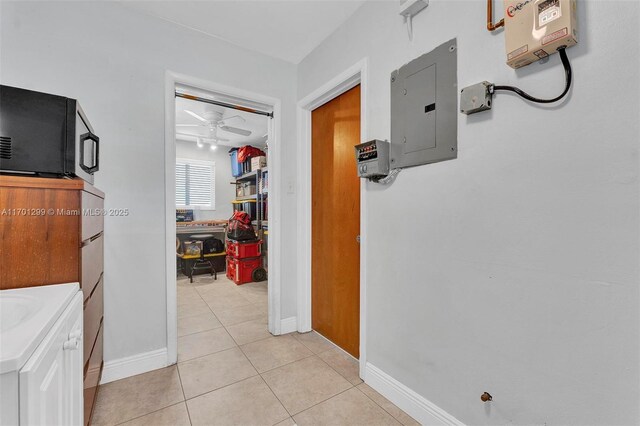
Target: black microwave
<point>46,135</point>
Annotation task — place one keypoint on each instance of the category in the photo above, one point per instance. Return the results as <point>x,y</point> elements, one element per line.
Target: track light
<point>199,143</point>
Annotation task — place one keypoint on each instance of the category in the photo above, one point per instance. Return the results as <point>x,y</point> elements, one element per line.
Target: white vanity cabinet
<point>44,386</point>
<point>51,381</point>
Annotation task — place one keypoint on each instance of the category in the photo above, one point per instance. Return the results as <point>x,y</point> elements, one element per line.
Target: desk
<point>199,229</point>
<point>183,233</point>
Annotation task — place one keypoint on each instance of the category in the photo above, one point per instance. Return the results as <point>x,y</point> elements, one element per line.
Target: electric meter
<point>534,29</point>
<point>372,159</point>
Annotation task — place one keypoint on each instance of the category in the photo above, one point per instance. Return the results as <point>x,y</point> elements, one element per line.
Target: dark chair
<point>202,264</point>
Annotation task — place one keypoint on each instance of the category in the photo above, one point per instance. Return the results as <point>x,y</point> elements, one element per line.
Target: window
<point>195,183</point>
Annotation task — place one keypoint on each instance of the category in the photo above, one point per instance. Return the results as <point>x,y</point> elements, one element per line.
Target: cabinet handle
<point>76,334</point>
<point>70,345</point>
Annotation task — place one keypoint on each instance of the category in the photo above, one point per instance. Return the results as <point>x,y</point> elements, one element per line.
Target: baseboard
<point>424,411</point>
<point>288,325</point>
<point>133,365</point>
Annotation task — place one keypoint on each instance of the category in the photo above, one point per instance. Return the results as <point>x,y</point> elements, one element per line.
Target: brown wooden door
<point>335,263</point>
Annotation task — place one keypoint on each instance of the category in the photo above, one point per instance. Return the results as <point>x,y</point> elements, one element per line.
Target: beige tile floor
<point>231,371</point>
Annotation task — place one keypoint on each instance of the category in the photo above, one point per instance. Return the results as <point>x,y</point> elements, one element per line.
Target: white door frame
<point>351,77</point>
<point>274,155</point>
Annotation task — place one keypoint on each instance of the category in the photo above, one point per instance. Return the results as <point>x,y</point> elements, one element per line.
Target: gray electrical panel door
<point>424,113</point>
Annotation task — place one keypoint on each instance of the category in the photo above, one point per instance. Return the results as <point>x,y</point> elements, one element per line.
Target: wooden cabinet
<point>51,232</point>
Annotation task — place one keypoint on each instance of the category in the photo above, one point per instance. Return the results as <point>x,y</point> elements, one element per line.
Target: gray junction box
<point>424,112</point>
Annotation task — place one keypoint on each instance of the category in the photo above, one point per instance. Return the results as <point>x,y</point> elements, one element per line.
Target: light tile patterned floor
<point>231,371</point>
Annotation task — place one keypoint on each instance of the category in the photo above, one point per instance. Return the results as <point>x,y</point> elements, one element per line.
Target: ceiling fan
<point>213,121</point>
<point>212,139</point>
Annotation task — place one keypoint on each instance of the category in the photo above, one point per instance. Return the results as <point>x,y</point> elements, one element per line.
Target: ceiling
<point>196,129</point>
<point>287,30</point>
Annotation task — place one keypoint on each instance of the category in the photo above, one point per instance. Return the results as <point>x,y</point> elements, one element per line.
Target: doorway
<point>214,124</point>
<point>355,75</point>
<point>221,171</point>
<point>335,228</point>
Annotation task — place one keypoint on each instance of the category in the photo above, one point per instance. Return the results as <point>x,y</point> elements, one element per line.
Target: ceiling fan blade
<point>216,139</point>
<point>235,130</point>
<point>194,115</point>
<point>235,117</point>
<point>189,125</point>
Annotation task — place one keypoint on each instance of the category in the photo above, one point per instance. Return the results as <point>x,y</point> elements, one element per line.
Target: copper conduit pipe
<point>490,25</point>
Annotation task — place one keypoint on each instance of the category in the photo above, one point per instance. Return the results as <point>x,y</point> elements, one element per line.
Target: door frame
<point>349,78</point>
<point>274,158</point>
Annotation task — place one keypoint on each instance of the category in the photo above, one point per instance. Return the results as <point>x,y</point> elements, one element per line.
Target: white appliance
<point>41,355</point>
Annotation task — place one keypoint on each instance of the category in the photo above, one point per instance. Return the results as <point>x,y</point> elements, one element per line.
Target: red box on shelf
<point>242,271</point>
<point>244,249</point>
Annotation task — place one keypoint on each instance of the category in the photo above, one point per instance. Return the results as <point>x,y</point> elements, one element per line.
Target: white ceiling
<point>288,30</point>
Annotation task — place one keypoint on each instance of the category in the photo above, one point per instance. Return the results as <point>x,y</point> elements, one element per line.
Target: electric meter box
<point>534,29</point>
<point>372,159</point>
<point>424,108</point>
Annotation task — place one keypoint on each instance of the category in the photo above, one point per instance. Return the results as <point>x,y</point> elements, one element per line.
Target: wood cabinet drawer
<point>42,247</point>
<point>92,374</point>
<point>92,258</point>
<point>92,218</point>
<point>93,313</point>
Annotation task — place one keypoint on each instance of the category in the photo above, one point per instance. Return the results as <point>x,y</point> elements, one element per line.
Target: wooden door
<point>335,263</point>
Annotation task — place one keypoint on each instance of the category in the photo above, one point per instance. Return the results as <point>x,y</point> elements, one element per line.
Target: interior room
<point>221,169</point>
<point>344,212</point>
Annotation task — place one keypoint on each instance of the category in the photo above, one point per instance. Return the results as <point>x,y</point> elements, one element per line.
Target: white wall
<point>114,61</point>
<point>225,192</point>
<point>513,269</point>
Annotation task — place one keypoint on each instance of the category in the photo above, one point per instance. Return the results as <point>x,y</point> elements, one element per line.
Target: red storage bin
<point>241,271</point>
<point>244,249</point>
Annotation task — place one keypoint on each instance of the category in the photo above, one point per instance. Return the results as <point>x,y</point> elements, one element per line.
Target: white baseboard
<point>133,365</point>
<point>424,411</point>
<point>288,325</point>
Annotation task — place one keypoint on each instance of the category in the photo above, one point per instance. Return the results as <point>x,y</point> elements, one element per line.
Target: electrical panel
<point>372,159</point>
<point>534,29</point>
<point>424,109</point>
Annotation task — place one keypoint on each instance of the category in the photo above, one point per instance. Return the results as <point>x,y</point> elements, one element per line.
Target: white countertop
<point>26,316</point>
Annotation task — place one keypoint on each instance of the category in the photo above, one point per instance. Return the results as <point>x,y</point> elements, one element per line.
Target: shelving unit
<point>258,178</point>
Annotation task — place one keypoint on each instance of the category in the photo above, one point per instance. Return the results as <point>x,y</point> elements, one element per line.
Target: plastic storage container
<point>242,271</point>
<point>244,249</point>
<point>192,248</point>
<point>258,162</point>
<point>245,189</point>
<point>236,168</point>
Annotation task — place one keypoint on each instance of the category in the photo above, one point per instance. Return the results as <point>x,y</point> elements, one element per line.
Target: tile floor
<point>231,371</point>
